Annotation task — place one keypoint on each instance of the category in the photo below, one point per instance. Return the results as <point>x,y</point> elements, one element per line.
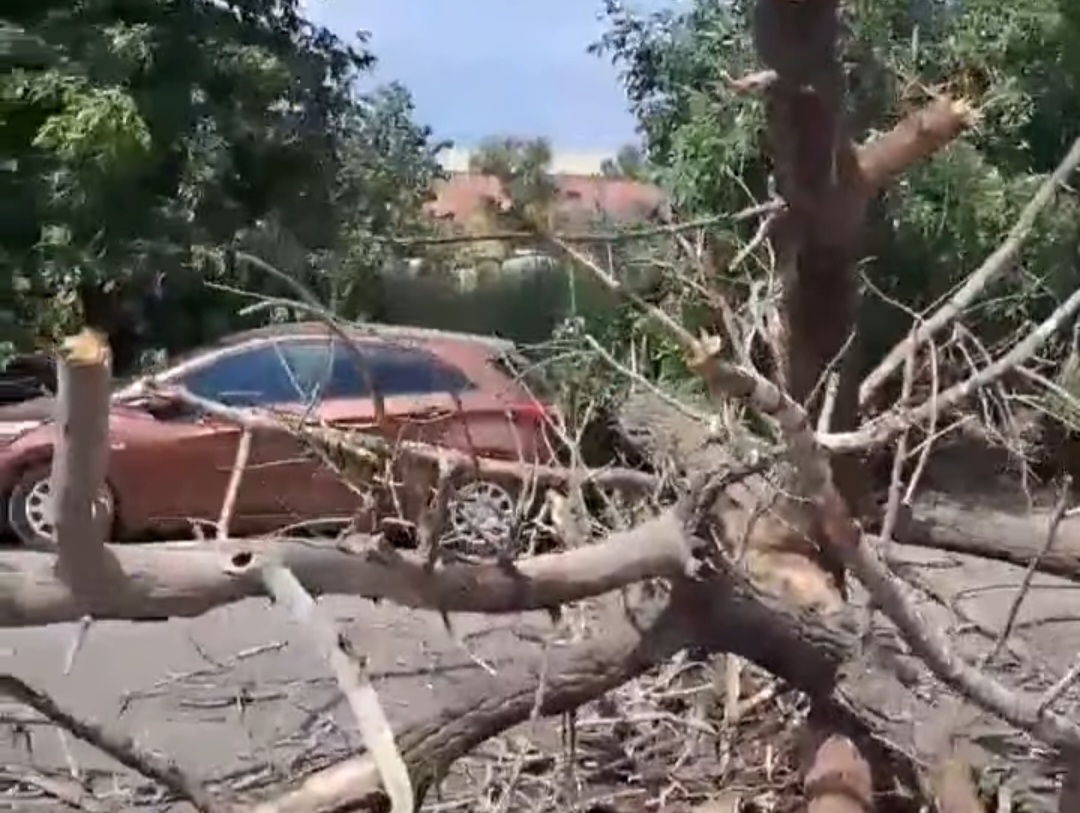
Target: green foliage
<point>628,163</point>
<point>139,138</point>
<point>1020,62</point>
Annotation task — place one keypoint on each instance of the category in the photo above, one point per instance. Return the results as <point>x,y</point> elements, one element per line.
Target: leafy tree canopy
<point>1018,63</point>
<point>139,137</point>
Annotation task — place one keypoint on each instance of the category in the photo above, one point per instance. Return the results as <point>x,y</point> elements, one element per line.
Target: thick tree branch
<point>186,579</point>
<point>80,458</point>
<point>917,137</point>
<point>725,615</point>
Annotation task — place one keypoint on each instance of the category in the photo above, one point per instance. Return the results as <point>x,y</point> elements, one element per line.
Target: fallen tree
<point>806,628</point>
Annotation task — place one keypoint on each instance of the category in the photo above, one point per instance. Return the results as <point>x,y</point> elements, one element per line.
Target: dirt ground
<point>240,696</point>
<point>240,693</point>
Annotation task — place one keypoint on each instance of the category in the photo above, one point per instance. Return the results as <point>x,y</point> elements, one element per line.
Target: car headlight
<point>11,431</point>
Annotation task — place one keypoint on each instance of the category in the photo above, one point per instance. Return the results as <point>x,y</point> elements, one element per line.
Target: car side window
<point>250,377</point>
<point>300,371</point>
<point>411,371</point>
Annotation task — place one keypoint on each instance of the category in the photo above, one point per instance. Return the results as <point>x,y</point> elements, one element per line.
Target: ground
<point>240,696</point>
<point>177,686</point>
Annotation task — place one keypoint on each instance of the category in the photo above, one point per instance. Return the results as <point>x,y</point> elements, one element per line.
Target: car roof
<point>437,341</point>
<point>406,333</point>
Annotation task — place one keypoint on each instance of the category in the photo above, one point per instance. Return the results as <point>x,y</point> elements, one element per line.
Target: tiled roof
<point>581,197</point>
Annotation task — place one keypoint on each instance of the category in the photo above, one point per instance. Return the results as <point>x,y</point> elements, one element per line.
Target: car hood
<point>44,409</point>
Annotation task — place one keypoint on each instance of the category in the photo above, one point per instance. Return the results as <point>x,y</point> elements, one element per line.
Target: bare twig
<point>885,427</point>
<point>590,237</point>
<point>120,747</point>
<point>892,506</point>
<point>332,323</point>
<point>995,265</point>
<point>688,411</point>
<point>1058,689</point>
<point>1060,508</point>
<point>363,444</point>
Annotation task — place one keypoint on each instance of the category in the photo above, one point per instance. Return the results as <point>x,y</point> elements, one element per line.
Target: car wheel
<point>30,508</point>
<point>481,517</point>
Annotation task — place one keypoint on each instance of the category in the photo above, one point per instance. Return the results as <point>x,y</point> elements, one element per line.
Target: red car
<point>169,468</point>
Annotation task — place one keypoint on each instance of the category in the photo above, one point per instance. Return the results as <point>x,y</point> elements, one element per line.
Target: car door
<point>254,376</point>
<point>320,381</point>
<point>414,385</point>
<point>171,471</point>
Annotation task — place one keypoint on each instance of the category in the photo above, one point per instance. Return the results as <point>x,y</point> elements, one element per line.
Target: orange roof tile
<point>581,197</point>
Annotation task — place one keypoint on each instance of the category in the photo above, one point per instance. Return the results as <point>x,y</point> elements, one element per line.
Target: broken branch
<point>994,266</point>
<point>185,579</point>
<point>119,746</point>
<point>351,672</point>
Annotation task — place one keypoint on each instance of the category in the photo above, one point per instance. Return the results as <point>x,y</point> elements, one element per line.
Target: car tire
<point>28,509</point>
<point>481,504</point>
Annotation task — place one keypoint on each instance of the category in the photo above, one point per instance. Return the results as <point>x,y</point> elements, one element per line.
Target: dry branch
<point>889,425</point>
<point>185,579</point>
<point>119,746</point>
<point>350,670</point>
<point>363,445</point>
<point>994,266</point>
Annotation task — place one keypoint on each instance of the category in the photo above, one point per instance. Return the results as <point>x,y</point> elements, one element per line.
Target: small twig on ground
<point>81,633</point>
<point>351,672</point>
<point>68,791</point>
<point>1056,517</point>
<point>1059,688</point>
<point>120,747</point>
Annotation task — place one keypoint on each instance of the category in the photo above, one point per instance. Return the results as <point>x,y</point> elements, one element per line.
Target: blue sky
<point>495,67</point>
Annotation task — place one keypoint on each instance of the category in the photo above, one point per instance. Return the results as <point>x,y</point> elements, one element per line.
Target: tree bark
<point>185,579</point>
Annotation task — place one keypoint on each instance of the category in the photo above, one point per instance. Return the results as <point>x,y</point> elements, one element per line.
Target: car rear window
<point>403,370</point>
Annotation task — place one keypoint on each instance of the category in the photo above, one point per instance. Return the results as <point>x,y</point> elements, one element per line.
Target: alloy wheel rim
<point>40,515</point>
<point>482,513</point>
